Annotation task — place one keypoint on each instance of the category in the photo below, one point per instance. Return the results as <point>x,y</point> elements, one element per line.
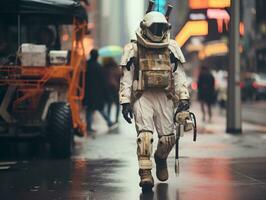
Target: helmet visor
<point>158,29</point>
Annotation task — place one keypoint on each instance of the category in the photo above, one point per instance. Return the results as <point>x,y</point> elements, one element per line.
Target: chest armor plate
<point>154,68</point>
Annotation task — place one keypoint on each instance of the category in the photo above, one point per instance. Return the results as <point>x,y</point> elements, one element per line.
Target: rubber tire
<point>60,130</point>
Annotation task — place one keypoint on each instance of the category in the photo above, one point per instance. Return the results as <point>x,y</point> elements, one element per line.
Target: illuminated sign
<point>192,28</point>
<point>219,3</point>
<point>198,21</point>
<point>197,16</point>
<point>218,14</point>
<point>196,4</point>
<point>204,4</point>
<point>221,16</point>
<point>213,49</point>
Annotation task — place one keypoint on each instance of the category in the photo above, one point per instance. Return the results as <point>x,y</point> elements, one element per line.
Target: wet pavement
<point>218,167</point>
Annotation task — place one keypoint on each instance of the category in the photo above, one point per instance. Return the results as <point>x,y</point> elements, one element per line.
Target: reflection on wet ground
<point>217,167</point>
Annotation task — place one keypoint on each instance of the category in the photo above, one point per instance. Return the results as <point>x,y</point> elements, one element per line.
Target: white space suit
<point>153,82</point>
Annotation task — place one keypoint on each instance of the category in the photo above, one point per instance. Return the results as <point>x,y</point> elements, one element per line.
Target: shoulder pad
<point>129,52</point>
<point>175,49</point>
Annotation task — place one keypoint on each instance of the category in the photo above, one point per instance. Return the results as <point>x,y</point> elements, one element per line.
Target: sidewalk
<point>218,124</point>
<point>212,140</point>
<point>212,136</point>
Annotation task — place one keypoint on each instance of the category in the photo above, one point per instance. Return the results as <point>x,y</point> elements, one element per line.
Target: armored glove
<point>183,105</point>
<point>127,112</point>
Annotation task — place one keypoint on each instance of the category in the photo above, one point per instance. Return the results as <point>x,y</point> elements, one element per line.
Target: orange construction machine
<point>42,71</point>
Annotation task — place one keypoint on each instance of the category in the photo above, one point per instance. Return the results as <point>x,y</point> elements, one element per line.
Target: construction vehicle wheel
<point>60,130</point>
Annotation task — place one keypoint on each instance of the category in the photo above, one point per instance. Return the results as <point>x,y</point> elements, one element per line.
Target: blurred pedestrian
<point>206,91</point>
<point>95,90</point>
<point>222,91</point>
<point>112,74</point>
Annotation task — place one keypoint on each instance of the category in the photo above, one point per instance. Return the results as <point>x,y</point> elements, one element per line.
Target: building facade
<point>115,21</point>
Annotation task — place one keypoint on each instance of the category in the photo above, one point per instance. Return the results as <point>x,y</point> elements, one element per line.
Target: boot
<point>161,168</point>
<point>146,179</point>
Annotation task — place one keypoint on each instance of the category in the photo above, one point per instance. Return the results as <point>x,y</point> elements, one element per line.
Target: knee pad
<point>165,145</point>
<point>144,149</point>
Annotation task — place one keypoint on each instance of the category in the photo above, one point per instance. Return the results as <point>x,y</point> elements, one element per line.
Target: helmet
<point>155,26</point>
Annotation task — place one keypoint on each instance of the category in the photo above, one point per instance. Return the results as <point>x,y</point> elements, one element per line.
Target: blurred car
<point>253,86</point>
<point>260,86</point>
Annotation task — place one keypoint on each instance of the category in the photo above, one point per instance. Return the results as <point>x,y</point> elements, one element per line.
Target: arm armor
<point>129,54</point>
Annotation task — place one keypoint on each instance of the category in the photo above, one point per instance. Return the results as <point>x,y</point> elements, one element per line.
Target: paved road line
<point>4,167</point>
<point>8,163</point>
<point>251,178</point>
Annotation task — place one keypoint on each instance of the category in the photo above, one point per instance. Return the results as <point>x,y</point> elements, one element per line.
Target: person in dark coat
<point>112,73</point>
<point>206,91</point>
<point>95,90</point>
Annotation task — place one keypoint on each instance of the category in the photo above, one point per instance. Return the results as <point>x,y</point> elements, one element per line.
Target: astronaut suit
<point>152,85</point>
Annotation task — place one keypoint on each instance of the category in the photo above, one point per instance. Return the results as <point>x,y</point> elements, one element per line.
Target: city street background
<point>221,165</point>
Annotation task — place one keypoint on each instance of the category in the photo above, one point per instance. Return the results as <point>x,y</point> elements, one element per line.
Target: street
<point>254,112</point>
<point>218,166</point>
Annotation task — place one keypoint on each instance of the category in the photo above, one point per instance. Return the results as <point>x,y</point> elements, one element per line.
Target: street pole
<point>234,121</point>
